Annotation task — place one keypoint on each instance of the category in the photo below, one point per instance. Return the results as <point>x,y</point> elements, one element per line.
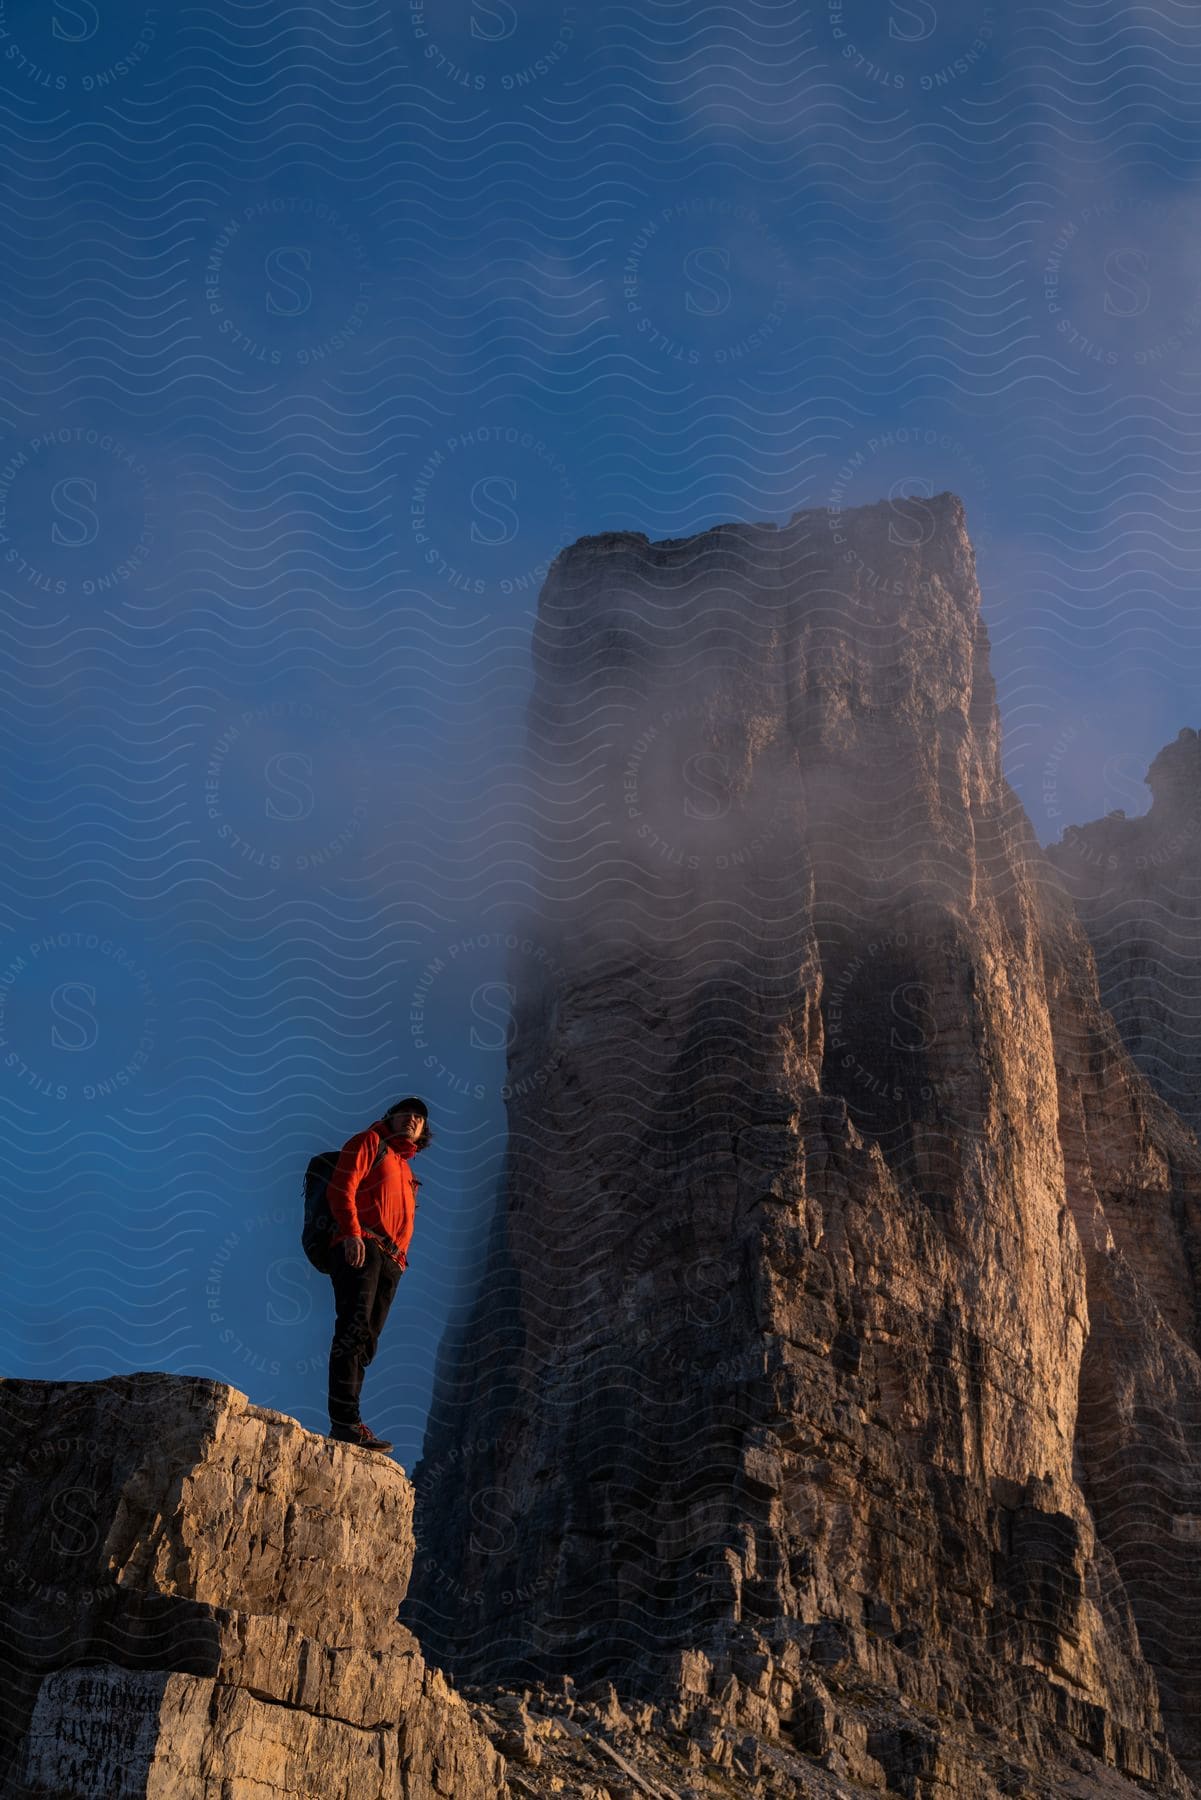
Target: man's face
<point>406,1124</point>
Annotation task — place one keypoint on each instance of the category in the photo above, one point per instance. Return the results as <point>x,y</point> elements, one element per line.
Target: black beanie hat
<point>410,1103</point>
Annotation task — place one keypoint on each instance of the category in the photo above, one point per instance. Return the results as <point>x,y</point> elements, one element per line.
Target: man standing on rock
<point>372,1199</point>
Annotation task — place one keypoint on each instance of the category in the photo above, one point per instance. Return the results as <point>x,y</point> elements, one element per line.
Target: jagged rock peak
<point>1136,885</point>
<point>887,531</point>
<point>1174,777</point>
<point>946,509</point>
<point>759,627</point>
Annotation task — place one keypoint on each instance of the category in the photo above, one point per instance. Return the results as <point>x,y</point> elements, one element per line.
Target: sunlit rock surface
<point>199,1598</point>
<point>837,1354</point>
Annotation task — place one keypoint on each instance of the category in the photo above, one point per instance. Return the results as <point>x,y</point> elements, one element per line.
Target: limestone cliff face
<point>199,1598</point>
<point>837,1354</point>
<point>1137,888</point>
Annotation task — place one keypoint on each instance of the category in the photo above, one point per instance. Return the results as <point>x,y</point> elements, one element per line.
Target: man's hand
<point>356,1254</point>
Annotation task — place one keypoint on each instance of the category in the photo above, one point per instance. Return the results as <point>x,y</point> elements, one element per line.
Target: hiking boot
<point>359,1434</point>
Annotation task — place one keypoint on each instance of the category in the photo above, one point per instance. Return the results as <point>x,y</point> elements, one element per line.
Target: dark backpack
<point>318,1220</point>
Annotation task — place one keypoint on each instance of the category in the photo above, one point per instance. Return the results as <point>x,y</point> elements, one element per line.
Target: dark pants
<point>361,1299</point>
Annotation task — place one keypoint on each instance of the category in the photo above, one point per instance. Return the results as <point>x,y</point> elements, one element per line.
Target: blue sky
<point>327,327</point>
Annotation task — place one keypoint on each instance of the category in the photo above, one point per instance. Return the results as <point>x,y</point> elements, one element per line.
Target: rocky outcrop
<point>200,1598</point>
<point>1136,884</point>
<point>835,1369</point>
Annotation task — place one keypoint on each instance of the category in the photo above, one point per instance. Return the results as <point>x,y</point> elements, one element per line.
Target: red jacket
<point>366,1201</point>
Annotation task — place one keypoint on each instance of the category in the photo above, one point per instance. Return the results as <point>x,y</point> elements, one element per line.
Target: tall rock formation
<point>836,1359</point>
<point>1137,887</point>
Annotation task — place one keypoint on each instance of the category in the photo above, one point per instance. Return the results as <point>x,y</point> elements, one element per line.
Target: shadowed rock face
<point>1137,887</point>
<point>839,1333</point>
